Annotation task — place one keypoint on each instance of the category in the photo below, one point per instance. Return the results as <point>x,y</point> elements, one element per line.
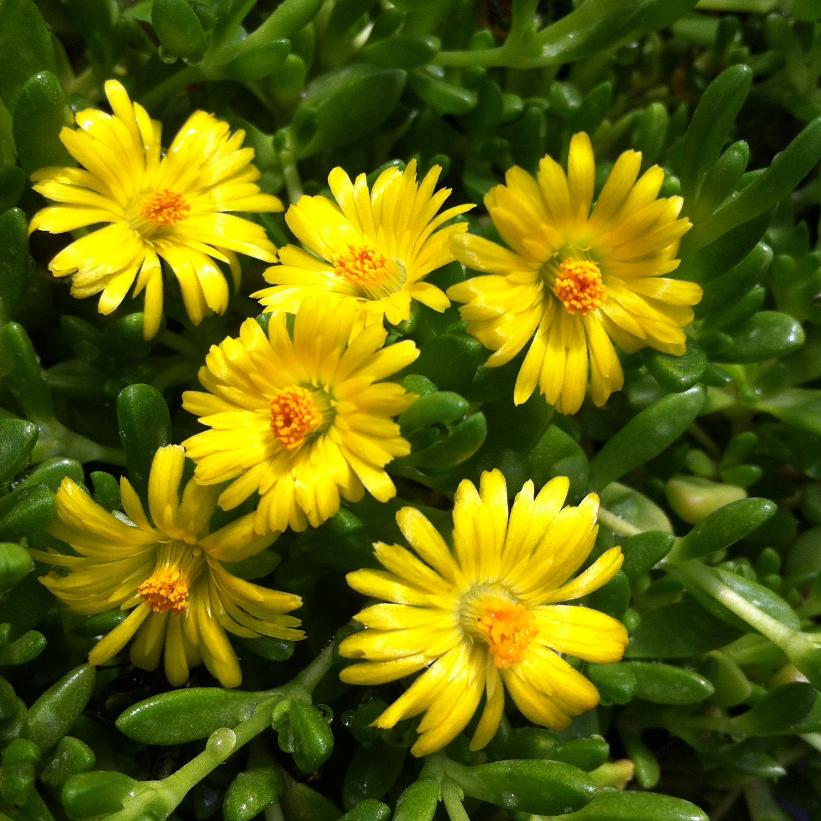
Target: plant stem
<point>315,671</point>
<point>761,804</point>
<point>452,797</point>
<point>83,83</point>
<point>222,743</point>
<point>615,523</point>
<point>754,6</point>
<point>274,813</point>
<point>704,439</point>
<point>290,170</point>
<point>57,440</point>
<point>171,85</point>
<point>696,574</point>
<point>724,806</point>
<point>487,57</point>
<point>180,344</point>
<point>799,648</point>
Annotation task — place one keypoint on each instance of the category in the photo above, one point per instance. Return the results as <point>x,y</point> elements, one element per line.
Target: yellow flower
<point>301,420</point>
<point>376,247</point>
<point>168,571</point>
<point>576,279</point>
<point>154,206</point>
<point>481,618</point>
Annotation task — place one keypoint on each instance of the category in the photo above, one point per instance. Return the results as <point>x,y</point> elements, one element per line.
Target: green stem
<point>754,6</point>
<point>56,439</point>
<point>180,344</point>
<point>288,17</point>
<point>274,813</point>
<point>695,574</point>
<point>452,796</point>
<point>175,373</point>
<point>171,86</point>
<point>84,83</point>
<point>761,804</point>
<point>434,767</point>
<point>290,170</point>
<point>315,671</point>
<point>221,744</point>
<point>799,648</point>
<point>724,806</point>
<point>168,793</point>
<point>487,57</point>
<point>615,523</point>
<point>523,20</point>
<point>705,440</point>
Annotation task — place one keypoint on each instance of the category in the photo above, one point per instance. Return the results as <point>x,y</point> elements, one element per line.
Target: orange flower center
<point>166,589</point>
<point>297,413</point>
<point>508,630</point>
<point>165,208</point>
<point>578,285</point>
<point>491,614</point>
<point>369,271</point>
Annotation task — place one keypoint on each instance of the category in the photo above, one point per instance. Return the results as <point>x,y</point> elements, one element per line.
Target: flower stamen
<point>369,271</point>
<point>508,630</point>
<point>166,589</point>
<point>297,414</point>
<point>166,208</point>
<point>578,286</point>
<point>491,614</point>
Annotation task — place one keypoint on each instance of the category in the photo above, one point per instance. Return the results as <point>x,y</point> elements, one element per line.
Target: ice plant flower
<point>576,280</point>
<point>482,618</point>
<point>375,246</point>
<point>167,571</point>
<point>302,420</point>
<point>173,207</point>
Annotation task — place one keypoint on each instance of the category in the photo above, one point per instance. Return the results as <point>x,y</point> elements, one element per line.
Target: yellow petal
<point>581,632</point>
<point>581,173</point>
<point>492,714</point>
<point>381,672</point>
<point>379,584</point>
<point>451,711</point>
<point>596,576</point>
<point>110,645</point>
<point>423,691</point>
<point>163,486</point>
<point>147,648</point>
<point>534,705</point>
<point>176,661</point>
<point>425,539</point>
<point>483,255</point>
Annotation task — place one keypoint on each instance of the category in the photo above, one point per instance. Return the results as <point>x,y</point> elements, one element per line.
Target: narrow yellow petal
<point>581,632</point>
<point>581,173</point>
<point>163,486</point>
<point>492,714</point>
<point>596,576</point>
<point>110,645</point>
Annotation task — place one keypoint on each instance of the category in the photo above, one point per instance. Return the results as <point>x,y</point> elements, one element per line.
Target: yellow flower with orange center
<point>174,207</point>
<point>375,246</point>
<point>482,617</point>
<point>168,572</point>
<point>577,275</point>
<point>304,419</point>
